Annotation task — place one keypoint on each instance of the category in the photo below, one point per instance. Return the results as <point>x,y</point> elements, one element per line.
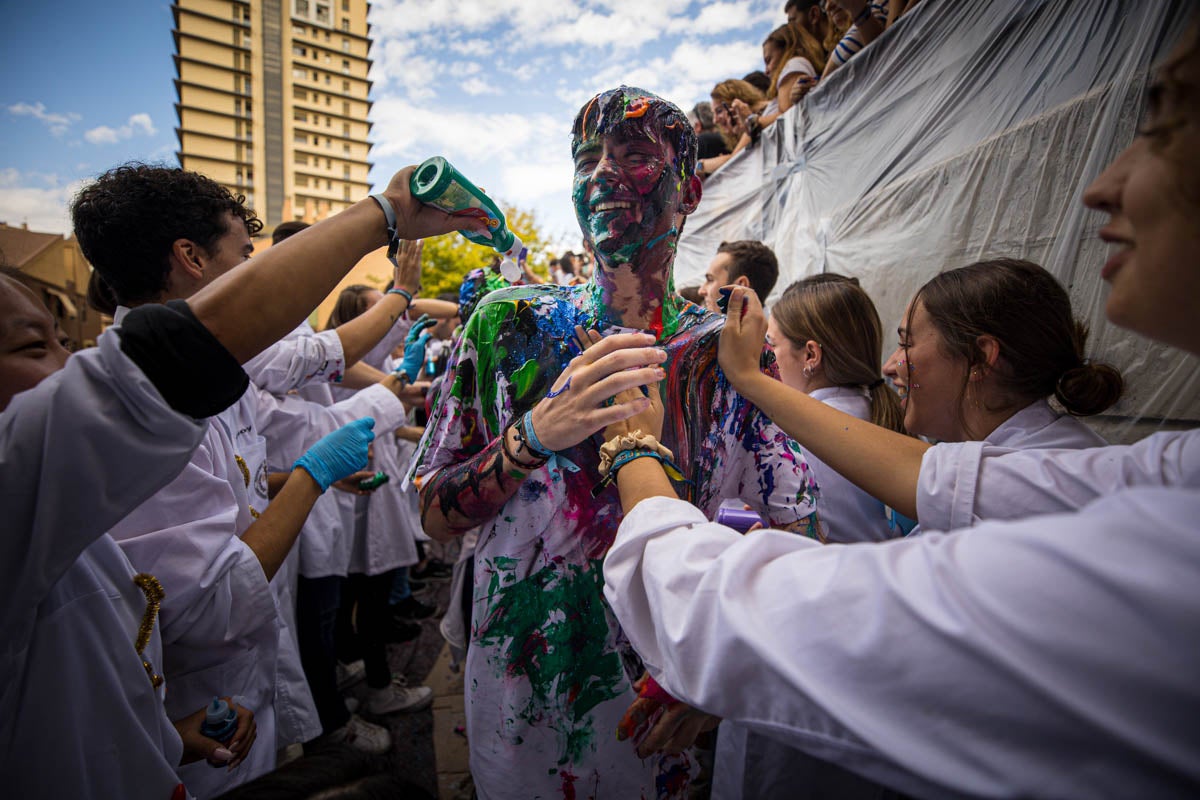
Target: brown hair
<point>735,89</point>
<point>1028,312</point>
<point>754,260</point>
<point>794,41</point>
<point>834,310</point>
<point>351,302</point>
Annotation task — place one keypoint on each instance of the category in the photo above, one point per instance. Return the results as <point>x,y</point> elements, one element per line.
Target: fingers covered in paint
<point>581,401</point>
<point>675,730</point>
<point>740,348</point>
<point>415,220</point>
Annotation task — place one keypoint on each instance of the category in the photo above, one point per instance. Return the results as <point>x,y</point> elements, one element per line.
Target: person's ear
<point>990,347</point>
<point>812,354</point>
<point>692,190</point>
<point>187,257</point>
<point>742,280</point>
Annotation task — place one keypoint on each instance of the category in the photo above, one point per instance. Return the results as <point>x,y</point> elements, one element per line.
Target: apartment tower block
<point>272,101</point>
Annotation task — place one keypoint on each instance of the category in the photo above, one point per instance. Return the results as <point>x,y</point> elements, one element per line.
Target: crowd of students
<point>1007,612</point>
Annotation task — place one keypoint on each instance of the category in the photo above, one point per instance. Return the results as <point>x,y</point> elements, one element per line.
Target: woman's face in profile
<point>1151,194</point>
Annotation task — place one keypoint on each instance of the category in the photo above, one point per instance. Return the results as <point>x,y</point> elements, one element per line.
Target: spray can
<point>220,721</point>
<point>437,183</point>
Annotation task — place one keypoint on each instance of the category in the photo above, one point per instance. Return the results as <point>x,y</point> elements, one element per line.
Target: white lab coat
<point>393,521</point>
<point>962,483</point>
<point>78,715</point>
<point>1053,656</point>
<point>752,765</point>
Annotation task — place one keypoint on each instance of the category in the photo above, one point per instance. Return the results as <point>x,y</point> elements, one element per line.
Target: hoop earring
<point>808,371</point>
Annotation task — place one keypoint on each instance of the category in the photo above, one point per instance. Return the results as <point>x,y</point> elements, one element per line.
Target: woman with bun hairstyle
<point>981,349</point>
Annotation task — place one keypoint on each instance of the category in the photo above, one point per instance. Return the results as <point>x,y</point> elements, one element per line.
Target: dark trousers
<point>317,601</point>
<point>364,622</point>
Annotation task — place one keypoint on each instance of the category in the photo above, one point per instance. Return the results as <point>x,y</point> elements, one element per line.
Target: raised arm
<point>255,304</point>
<point>883,463</point>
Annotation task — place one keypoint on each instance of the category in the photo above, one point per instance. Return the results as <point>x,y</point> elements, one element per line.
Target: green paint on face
<point>551,629</point>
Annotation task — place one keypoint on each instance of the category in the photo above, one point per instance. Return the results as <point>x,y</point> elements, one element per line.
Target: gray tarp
<point>969,130</point>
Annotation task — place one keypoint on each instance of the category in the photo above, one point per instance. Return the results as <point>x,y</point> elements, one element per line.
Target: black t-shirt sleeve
<point>192,370</point>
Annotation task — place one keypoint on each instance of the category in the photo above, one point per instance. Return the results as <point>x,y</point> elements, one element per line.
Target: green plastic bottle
<point>437,183</point>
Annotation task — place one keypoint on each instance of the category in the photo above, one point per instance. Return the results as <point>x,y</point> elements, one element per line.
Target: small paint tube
<point>374,482</point>
<point>740,519</point>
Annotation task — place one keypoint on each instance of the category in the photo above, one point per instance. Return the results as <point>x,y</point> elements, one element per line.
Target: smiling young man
<point>548,669</point>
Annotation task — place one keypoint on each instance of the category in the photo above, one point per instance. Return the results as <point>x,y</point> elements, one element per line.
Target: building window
<point>300,94</point>
<point>345,66</point>
<point>317,140</point>
<point>345,129</point>
<point>301,158</point>
<point>328,185</point>
<point>300,116</point>
<point>345,148</point>
<point>299,50</point>
<point>328,99</point>
<point>301,8</point>
<point>345,45</point>
<point>328,163</point>
<point>345,108</point>
<point>329,122</point>
<point>323,13</point>
<point>345,26</point>
<point>328,143</point>
<point>345,192</point>
<point>300,138</point>
<point>299,73</point>
<point>346,171</point>
<point>328,79</point>
<point>302,180</point>
<point>346,87</point>
<point>345,5</point>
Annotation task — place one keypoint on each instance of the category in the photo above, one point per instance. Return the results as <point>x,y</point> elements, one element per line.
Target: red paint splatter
<point>568,785</point>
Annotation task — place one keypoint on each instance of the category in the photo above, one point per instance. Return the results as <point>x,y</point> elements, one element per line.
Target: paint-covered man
<point>548,669</point>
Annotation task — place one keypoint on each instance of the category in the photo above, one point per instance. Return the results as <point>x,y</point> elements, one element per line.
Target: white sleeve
<point>1049,657</point>
<point>962,483</point>
<point>298,361</point>
<point>291,425</point>
<point>77,453</point>
<point>187,536</point>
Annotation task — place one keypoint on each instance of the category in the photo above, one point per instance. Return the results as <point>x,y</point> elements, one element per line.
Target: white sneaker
<point>398,696</point>
<point>352,704</point>
<point>362,735</point>
<point>350,674</point>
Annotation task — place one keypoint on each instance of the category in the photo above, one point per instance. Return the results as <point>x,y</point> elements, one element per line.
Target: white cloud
<point>463,69</point>
<point>398,65</point>
<point>137,124</point>
<point>56,122</point>
<point>477,86</point>
<point>40,201</point>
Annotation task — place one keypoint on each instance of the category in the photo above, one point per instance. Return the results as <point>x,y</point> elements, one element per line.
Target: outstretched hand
<point>584,399</point>
<point>339,453</point>
<point>740,350</point>
<point>414,347</point>
<point>407,273</point>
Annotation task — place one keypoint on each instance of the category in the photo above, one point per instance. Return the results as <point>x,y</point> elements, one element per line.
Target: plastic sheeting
<point>969,130</point>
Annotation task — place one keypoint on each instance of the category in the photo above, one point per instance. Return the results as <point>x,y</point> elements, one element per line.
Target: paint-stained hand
<point>407,274</point>
<point>415,220</point>
<point>741,347</point>
<point>581,402</point>
<point>675,730</point>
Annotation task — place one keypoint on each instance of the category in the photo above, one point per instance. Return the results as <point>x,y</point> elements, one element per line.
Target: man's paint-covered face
<point>630,182</point>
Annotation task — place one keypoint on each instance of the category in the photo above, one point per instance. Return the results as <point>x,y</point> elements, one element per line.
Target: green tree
<point>447,259</point>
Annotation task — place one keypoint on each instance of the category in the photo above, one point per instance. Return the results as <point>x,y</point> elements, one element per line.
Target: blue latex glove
<point>414,348</point>
<point>340,453</point>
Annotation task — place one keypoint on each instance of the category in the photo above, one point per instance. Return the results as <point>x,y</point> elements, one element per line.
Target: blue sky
<point>491,84</point>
